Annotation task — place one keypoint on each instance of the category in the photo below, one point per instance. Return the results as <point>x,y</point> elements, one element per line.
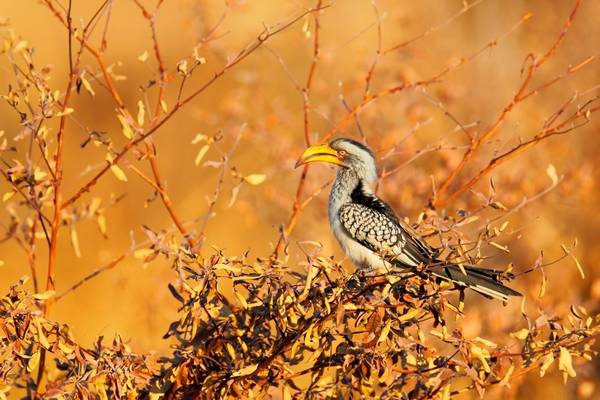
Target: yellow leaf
<point>520,334</point>
<point>255,179</point>
<point>102,224</point>
<point>231,351</point>
<point>570,253</point>
<point>506,378</point>
<point>33,362</point>
<point>20,46</point>
<point>286,393</point>
<point>87,86</point>
<point>579,267</point>
<point>144,56</point>
<point>141,254</point>
<point>75,242</point>
<point>546,364</point>
<point>468,220</point>
<point>199,137</point>
<point>242,300</point>
<point>499,246</point>
<point>543,286</point>
<point>446,393</point>
<point>141,113</point>
<point>7,196</point>
<point>409,315</point>
<point>245,371</point>
<point>65,348</point>
<point>201,154</point>
<point>94,205</point>
<point>118,172</point>
<point>485,342</point>
<point>565,363</point>
<point>551,172</point>
<point>481,355</point>
<point>384,332</point>
<point>40,334</point>
<point>67,111</point>
<point>44,295</point>
<point>125,128</point>
<point>163,105</point>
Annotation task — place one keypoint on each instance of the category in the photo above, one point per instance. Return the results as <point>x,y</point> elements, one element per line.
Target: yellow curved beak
<point>319,153</point>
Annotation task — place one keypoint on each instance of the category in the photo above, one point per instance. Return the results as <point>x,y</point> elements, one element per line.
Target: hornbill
<point>373,236</point>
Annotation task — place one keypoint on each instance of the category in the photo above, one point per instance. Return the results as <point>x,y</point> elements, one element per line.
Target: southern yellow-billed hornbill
<point>371,234</point>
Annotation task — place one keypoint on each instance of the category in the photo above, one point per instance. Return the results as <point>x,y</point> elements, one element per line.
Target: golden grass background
<point>260,92</point>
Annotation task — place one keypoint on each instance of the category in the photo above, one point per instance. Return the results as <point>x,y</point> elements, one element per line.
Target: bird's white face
<point>345,153</point>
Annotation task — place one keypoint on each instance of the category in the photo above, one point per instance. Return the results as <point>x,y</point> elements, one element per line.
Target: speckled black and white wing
<point>372,223</point>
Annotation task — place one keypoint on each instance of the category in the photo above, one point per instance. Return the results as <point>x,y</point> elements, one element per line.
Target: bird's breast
<point>360,255</point>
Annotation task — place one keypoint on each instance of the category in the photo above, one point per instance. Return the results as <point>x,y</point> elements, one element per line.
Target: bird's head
<point>347,154</point>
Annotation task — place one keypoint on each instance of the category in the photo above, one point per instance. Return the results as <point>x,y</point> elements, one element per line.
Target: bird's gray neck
<point>341,193</point>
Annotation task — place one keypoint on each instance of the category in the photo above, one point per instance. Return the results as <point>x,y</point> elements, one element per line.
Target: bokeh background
<point>262,94</point>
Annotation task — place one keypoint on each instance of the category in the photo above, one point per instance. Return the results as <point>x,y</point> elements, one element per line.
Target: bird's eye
<point>342,153</point>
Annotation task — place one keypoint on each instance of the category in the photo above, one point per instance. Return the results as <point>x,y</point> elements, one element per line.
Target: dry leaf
<point>551,172</point>
<point>446,393</point>
<point>40,334</point>
<point>201,154</point>
<point>43,295</point>
<point>67,111</point>
<point>125,128</point>
<point>118,172</point>
<point>520,334</point>
<point>87,86</point>
<point>565,363</point>
<point>7,196</point>
<point>245,371</point>
<point>384,332</point>
<point>101,220</point>
<point>141,113</point>
<point>75,241</point>
<point>33,362</point>
<point>507,376</point>
<point>234,194</point>
<point>482,355</point>
<point>548,360</point>
<point>144,56</point>
<point>255,179</point>
<point>141,254</point>
<point>199,138</point>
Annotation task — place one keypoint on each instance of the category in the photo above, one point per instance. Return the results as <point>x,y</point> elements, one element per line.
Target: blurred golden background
<point>261,93</point>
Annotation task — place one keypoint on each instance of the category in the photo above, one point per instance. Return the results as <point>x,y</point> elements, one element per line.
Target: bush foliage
<point>295,322</point>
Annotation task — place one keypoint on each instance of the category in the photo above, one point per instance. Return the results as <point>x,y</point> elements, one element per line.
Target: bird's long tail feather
<point>482,280</point>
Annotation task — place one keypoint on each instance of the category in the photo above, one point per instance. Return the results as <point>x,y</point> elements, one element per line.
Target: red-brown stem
<point>521,147</point>
<point>151,17</point>
<point>436,200</point>
<point>266,35</point>
<point>349,117</point>
<point>58,171</point>
<point>151,149</point>
<point>32,257</point>
<point>298,204</point>
<point>93,274</point>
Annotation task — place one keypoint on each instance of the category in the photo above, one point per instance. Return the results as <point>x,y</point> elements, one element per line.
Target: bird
<point>370,233</point>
